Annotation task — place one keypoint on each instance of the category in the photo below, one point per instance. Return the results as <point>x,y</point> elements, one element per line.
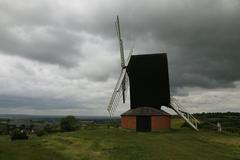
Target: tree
<point>69,123</point>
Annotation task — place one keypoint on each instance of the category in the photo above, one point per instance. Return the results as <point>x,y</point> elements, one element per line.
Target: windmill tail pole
<point>188,117</point>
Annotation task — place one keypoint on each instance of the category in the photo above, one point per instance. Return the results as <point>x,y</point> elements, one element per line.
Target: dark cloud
<point>45,44</point>
<point>201,38</point>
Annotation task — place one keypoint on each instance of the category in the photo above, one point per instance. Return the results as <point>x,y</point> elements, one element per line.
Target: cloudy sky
<point>62,57</point>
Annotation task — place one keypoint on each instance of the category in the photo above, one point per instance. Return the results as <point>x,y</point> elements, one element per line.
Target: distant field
<point>101,143</point>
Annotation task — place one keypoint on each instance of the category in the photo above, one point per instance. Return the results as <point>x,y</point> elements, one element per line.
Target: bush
<point>17,134</point>
<point>48,128</point>
<point>40,133</point>
<point>69,123</point>
<point>51,128</point>
<point>3,130</point>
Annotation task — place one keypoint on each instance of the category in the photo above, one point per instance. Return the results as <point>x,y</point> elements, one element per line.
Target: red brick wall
<point>128,122</point>
<point>160,123</point>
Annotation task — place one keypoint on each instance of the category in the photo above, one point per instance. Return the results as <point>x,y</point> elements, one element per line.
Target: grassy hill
<point>102,143</point>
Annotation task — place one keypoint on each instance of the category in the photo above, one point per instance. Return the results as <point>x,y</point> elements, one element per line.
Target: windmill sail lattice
<point>118,90</point>
<point>117,94</point>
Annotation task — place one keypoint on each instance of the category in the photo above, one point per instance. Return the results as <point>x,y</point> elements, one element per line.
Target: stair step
<point>188,117</point>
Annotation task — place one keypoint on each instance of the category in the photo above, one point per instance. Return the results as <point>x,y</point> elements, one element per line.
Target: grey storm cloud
<point>66,41</point>
<point>201,38</point>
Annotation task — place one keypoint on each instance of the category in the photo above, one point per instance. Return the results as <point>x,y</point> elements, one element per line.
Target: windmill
<point>148,78</point>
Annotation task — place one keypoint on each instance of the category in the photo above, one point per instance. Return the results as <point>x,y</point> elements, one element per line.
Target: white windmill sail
<point>122,57</point>
<point>122,83</point>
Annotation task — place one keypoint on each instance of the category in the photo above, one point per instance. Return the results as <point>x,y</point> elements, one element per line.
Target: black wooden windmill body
<point>147,76</point>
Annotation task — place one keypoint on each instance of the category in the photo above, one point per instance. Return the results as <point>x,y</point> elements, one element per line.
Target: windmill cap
<point>145,111</point>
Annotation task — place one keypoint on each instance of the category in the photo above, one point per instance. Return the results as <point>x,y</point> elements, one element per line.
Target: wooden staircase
<point>181,111</point>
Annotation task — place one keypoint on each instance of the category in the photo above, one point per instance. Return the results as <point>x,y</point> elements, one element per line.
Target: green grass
<point>118,144</point>
<point>176,123</point>
<point>31,149</point>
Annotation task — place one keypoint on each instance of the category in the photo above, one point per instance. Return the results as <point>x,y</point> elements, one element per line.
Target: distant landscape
<point>100,139</point>
<point>46,117</point>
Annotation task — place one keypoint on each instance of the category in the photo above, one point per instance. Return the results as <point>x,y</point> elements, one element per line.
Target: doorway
<point>143,124</point>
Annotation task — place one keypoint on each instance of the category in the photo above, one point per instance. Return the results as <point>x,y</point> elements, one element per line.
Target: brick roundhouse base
<point>158,120</point>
